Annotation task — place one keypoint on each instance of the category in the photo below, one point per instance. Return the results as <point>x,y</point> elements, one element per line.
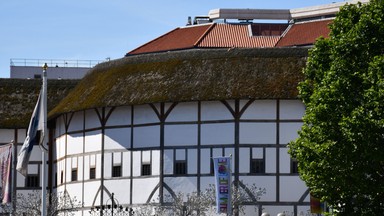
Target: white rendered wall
<point>192,132</point>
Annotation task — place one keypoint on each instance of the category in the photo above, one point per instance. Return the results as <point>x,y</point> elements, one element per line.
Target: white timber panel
<point>90,192</point>
<point>74,143</point>
<point>148,136</point>
<point>119,116</point>
<point>120,188</point>
<point>270,160</point>
<point>33,169</point>
<point>291,109</point>
<point>126,169</point>
<point>107,165</point>
<point>60,126</point>
<point>285,161</point>
<point>257,153</point>
<point>245,160</point>
<point>257,133</point>
<point>155,162</point>
<point>289,131</point>
<point>168,161</point>
<point>267,182</point>
<point>142,188</point>
<point>93,141</point>
<point>117,158</point>
<point>7,135</point>
<point>218,133</point>
<point>92,119</point>
<point>21,133</point>
<point>214,110</point>
<point>146,157</point>
<point>77,122</point>
<point>68,170</point>
<point>98,165</point>
<point>60,147</point>
<point>136,163</point>
<point>180,135</point>
<point>205,161</point>
<point>261,109</point>
<point>180,154</point>
<point>182,184</point>
<point>205,182</point>
<point>192,161</point>
<point>117,138</point>
<point>80,168</point>
<point>144,114</point>
<point>291,188</point>
<point>87,166</point>
<point>183,112</point>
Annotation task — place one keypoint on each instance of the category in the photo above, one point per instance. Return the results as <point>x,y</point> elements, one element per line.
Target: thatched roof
<point>189,75</point>
<point>18,98</point>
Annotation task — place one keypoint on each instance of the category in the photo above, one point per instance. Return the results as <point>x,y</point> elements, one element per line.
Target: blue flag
<point>34,136</point>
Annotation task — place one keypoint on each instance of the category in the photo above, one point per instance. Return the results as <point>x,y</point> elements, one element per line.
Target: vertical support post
<point>44,143</point>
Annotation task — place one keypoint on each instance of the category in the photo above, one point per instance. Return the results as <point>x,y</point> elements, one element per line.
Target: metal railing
<point>54,62</point>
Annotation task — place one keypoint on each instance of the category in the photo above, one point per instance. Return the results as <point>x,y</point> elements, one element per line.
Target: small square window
<point>32,181</point>
<point>257,166</point>
<point>180,168</point>
<point>116,171</point>
<point>74,175</point>
<point>146,169</point>
<point>294,166</point>
<point>92,173</point>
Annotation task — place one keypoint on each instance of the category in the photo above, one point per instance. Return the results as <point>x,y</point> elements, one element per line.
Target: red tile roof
<point>235,35</point>
<point>179,38</point>
<point>214,35</point>
<point>225,35</point>
<point>305,33</point>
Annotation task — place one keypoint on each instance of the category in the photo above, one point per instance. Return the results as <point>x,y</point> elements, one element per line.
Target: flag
<point>35,136</point>
<point>316,205</point>
<point>222,168</point>
<point>5,172</point>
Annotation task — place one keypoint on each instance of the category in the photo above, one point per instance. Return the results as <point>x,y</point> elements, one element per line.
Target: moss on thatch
<point>189,75</point>
<point>18,98</point>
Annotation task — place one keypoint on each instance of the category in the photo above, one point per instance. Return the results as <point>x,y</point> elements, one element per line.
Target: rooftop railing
<point>55,62</point>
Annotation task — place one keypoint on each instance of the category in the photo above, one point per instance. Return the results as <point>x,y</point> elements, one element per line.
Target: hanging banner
<point>317,206</point>
<point>222,169</point>
<point>5,172</point>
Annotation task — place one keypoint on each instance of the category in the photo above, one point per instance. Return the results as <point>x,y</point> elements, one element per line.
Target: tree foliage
<point>340,148</point>
<point>59,204</point>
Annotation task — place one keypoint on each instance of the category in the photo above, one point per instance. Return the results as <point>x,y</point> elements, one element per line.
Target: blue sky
<point>100,29</point>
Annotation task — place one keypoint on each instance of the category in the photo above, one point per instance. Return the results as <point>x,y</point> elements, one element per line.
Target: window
<point>92,173</point>
<point>180,168</point>
<point>294,167</point>
<point>61,177</point>
<point>74,175</point>
<point>116,171</point>
<point>32,181</point>
<point>146,169</point>
<point>257,166</point>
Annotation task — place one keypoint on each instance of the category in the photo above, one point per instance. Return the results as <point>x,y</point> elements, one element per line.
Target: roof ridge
<point>204,35</point>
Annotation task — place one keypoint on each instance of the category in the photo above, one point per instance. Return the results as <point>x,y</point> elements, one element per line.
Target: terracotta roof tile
<point>179,38</point>
<point>305,33</point>
<point>235,35</point>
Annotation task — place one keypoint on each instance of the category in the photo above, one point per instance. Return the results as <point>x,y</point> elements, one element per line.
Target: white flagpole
<point>44,144</point>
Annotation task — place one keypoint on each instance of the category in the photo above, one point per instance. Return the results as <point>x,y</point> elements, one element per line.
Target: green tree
<point>340,148</point>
